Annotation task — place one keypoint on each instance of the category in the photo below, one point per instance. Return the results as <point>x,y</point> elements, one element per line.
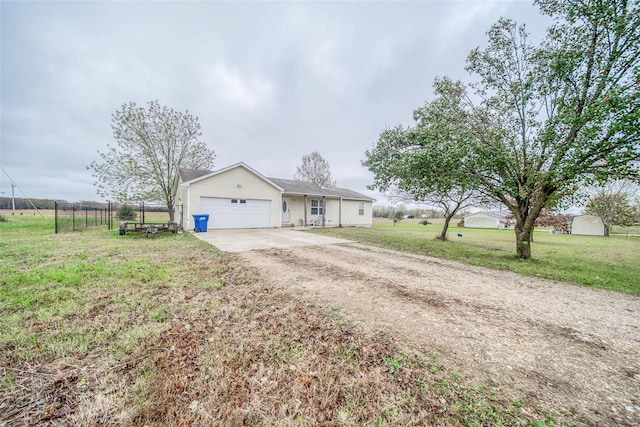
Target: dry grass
<point>100,329</point>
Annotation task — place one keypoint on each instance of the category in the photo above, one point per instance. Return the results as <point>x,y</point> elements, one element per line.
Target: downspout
<point>324,209</point>
<point>340,213</point>
<point>305,210</point>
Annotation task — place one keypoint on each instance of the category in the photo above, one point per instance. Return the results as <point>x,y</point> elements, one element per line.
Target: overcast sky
<point>269,81</point>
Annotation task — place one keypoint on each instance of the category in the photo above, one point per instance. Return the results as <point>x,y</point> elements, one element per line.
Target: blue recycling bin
<point>200,223</point>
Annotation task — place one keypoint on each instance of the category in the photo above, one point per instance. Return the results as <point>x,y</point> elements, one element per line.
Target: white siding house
<point>240,197</point>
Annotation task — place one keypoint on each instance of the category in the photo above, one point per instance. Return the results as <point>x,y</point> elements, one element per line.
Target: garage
<point>236,213</point>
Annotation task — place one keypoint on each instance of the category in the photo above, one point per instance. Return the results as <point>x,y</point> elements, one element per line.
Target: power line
<point>14,185</point>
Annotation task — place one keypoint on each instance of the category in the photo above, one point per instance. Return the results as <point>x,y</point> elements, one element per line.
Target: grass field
<point>102,329</point>
<point>604,262</point>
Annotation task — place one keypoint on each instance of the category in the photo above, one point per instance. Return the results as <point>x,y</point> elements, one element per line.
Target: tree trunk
<point>172,212</point>
<point>443,233</point>
<point>523,240</point>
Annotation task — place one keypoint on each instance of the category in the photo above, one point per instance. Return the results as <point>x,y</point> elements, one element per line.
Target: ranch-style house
<point>240,197</point>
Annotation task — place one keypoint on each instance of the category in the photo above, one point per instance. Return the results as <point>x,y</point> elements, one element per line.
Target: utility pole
<point>13,198</point>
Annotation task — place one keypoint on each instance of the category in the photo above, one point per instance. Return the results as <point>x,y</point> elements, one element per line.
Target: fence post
<point>55,215</point>
<point>73,216</point>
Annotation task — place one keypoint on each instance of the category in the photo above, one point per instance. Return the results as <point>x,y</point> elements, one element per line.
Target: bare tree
<point>314,169</point>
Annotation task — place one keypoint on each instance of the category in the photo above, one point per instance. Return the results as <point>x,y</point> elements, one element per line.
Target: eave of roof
<point>299,188</point>
<point>287,186</point>
<point>209,174</point>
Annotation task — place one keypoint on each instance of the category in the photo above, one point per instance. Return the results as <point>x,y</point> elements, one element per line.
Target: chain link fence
<point>78,216</point>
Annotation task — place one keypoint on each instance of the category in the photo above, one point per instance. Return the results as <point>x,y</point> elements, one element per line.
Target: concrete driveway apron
<point>243,240</point>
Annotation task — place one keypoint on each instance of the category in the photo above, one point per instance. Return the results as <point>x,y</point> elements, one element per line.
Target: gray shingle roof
<point>298,187</point>
<point>189,174</point>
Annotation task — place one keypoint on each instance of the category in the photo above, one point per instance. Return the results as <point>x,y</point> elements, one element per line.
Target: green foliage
<point>614,209</point>
<point>151,145</point>
<point>425,163</point>
<point>552,117</point>
<point>126,213</point>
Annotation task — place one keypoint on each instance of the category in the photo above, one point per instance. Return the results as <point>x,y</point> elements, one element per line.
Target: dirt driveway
<point>569,349</point>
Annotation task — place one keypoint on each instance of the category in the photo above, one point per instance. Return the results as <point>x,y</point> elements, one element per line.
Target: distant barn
<point>484,220</point>
<point>588,225</point>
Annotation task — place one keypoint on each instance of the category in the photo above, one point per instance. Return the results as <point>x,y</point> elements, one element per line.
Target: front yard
<point>102,329</point>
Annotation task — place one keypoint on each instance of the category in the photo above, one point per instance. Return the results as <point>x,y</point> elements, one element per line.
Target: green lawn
<point>604,262</point>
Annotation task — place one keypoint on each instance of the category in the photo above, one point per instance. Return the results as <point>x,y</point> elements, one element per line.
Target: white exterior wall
<point>181,199</point>
<point>236,183</point>
<point>350,214</point>
<point>587,225</point>
<point>480,220</point>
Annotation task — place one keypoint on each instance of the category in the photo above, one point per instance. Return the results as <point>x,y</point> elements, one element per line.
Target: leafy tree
<point>399,216</point>
<point>424,162</point>
<point>558,114</point>
<point>612,202</point>
<point>151,145</point>
<point>549,218</point>
<point>553,116</point>
<point>314,169</point>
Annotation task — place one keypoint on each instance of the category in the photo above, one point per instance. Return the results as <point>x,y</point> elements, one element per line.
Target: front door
<point>286,210</point>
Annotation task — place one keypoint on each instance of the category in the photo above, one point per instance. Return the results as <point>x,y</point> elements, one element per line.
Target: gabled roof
<point>288,186</point>
<point>291,186</point>
<point>198,175</point>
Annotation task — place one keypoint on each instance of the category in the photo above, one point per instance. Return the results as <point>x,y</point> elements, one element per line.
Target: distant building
<point>484,220</point>
<point>588,225</point>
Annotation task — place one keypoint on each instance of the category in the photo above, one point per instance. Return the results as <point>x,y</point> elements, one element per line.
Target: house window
<point>360,208</point>
<point>243,201</point>
<point>317,207</point>
<point>234,200</point>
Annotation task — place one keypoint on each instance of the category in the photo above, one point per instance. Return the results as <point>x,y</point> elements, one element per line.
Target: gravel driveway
<point>572,350</point>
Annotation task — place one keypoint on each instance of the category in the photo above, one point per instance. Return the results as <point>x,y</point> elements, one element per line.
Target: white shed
<point>588,225</point>
<point>483,220</point>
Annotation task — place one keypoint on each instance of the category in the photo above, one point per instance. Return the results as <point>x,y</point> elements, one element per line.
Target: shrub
<point>126,213</point>
<point>425,222</point>
<point>3,219</point>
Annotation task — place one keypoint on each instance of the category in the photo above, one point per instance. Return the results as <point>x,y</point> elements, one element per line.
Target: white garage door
<point>236,213</point>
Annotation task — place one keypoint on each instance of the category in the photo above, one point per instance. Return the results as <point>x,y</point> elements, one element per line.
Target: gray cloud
<point>269,82</point>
